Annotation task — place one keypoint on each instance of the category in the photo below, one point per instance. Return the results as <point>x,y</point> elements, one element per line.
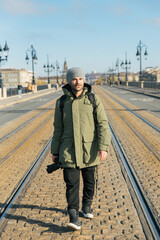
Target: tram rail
<point>138,134</point>
<point>23,142</point>
<point>25,123</point>
<point>29,135</point>
<point>136,114</point>
<point>150,226</point>
<point>141,148</point>
<point>150,145</point>
<point>144,208</point>
<point>21,184</point>
<point>21,157</point>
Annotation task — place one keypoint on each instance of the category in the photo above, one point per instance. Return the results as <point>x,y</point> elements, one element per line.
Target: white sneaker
<point>74,222</point>
<point>73,227</point>
<point>86,211</point>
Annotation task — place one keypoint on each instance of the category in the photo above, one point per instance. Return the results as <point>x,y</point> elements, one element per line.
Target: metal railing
<point>41,87</point>
<point>14,91</point>
<point>153,85</point>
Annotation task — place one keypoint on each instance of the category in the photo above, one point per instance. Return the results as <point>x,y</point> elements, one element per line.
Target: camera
<point>54,166</point>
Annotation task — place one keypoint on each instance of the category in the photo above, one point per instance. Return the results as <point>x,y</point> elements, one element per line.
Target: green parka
<point>77,138</point>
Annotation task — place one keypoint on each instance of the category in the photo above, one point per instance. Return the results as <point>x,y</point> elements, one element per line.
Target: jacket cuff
<point>103,147</point>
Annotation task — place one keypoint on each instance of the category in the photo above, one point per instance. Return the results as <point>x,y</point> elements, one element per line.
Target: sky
<point>90,34</point>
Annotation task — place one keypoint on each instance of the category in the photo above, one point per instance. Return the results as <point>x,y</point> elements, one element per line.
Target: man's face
<point>77,84</point>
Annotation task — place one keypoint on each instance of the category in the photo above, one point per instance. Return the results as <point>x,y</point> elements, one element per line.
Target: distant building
<point>92,77</point>
<point>131,76</point>
<point>151,74</point>
<point>44,80</point>
<point>65,67</point>
<point>11,77</point>
<point>64,71</point>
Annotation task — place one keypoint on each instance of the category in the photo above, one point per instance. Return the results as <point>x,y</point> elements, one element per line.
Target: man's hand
<point>102,155</point>
<point>54,157</point>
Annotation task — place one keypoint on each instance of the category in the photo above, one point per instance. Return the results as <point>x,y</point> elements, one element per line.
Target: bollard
<point>142,83</point>
<point>34,88</point>
<point>4,92</point>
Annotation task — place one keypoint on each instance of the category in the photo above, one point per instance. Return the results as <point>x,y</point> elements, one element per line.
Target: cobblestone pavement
<point>41,213</point>
<point>145,164</point>
<point>142,112</point>
<point>16,163</point>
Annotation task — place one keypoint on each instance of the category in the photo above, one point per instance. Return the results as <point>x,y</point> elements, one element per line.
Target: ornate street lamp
<point>117,67</point>
<point>111,72</point>
<point>57,69</point>
<point>139,56</point>
<point>34,60</point>
<point>126,65</point>
<point>48,68</point>
<point>4,52</point>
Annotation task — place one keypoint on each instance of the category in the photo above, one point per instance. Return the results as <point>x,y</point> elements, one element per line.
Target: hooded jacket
<point>77,138</point>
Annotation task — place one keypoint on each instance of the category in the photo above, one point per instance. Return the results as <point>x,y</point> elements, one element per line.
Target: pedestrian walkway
<point>5,102</point>
<point>146,91</point>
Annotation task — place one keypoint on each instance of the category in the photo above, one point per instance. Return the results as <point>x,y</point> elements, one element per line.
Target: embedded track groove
<point>141,146</point>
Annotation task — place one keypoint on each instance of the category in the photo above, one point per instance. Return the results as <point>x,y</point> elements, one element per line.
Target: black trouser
<point>72,180</point>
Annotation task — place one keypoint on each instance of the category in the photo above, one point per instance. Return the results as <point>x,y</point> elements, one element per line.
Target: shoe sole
<point>73,227</point>
<point>88,215</point>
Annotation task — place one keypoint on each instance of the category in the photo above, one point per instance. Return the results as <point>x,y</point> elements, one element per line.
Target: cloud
<point>25,7</point>
<point>19,7</point>
<point>82,26</point>
<point>153,22</point>
<point>78,9</point>
<point>119,10</point>
<point>38,35</point>
<point>156,21</point>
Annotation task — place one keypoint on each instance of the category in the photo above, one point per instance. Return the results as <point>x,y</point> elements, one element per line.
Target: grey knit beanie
<point>74,72</point>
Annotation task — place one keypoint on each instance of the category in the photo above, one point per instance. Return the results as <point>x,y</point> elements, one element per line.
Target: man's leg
<point>88,190</point>
<point>72,180</point>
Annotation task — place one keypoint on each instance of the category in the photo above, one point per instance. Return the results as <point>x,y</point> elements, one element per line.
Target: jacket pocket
<point>90,149</point>
<point>66,153</point>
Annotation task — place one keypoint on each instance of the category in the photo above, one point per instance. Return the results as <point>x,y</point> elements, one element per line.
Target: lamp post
<point>34,60</point>
<point>139,56</point>
<point>57,70</point>
<point>111,72</point>
<point>4,52</point>
<point>126,65</point>
<point>48,68</point>
<point>117,67</point>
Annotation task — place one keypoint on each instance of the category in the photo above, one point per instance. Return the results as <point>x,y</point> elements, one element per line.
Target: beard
<point>77,87</point>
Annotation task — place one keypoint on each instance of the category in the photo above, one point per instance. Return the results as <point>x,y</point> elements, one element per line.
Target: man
<point>19,90</point>
<point>80,141</point>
